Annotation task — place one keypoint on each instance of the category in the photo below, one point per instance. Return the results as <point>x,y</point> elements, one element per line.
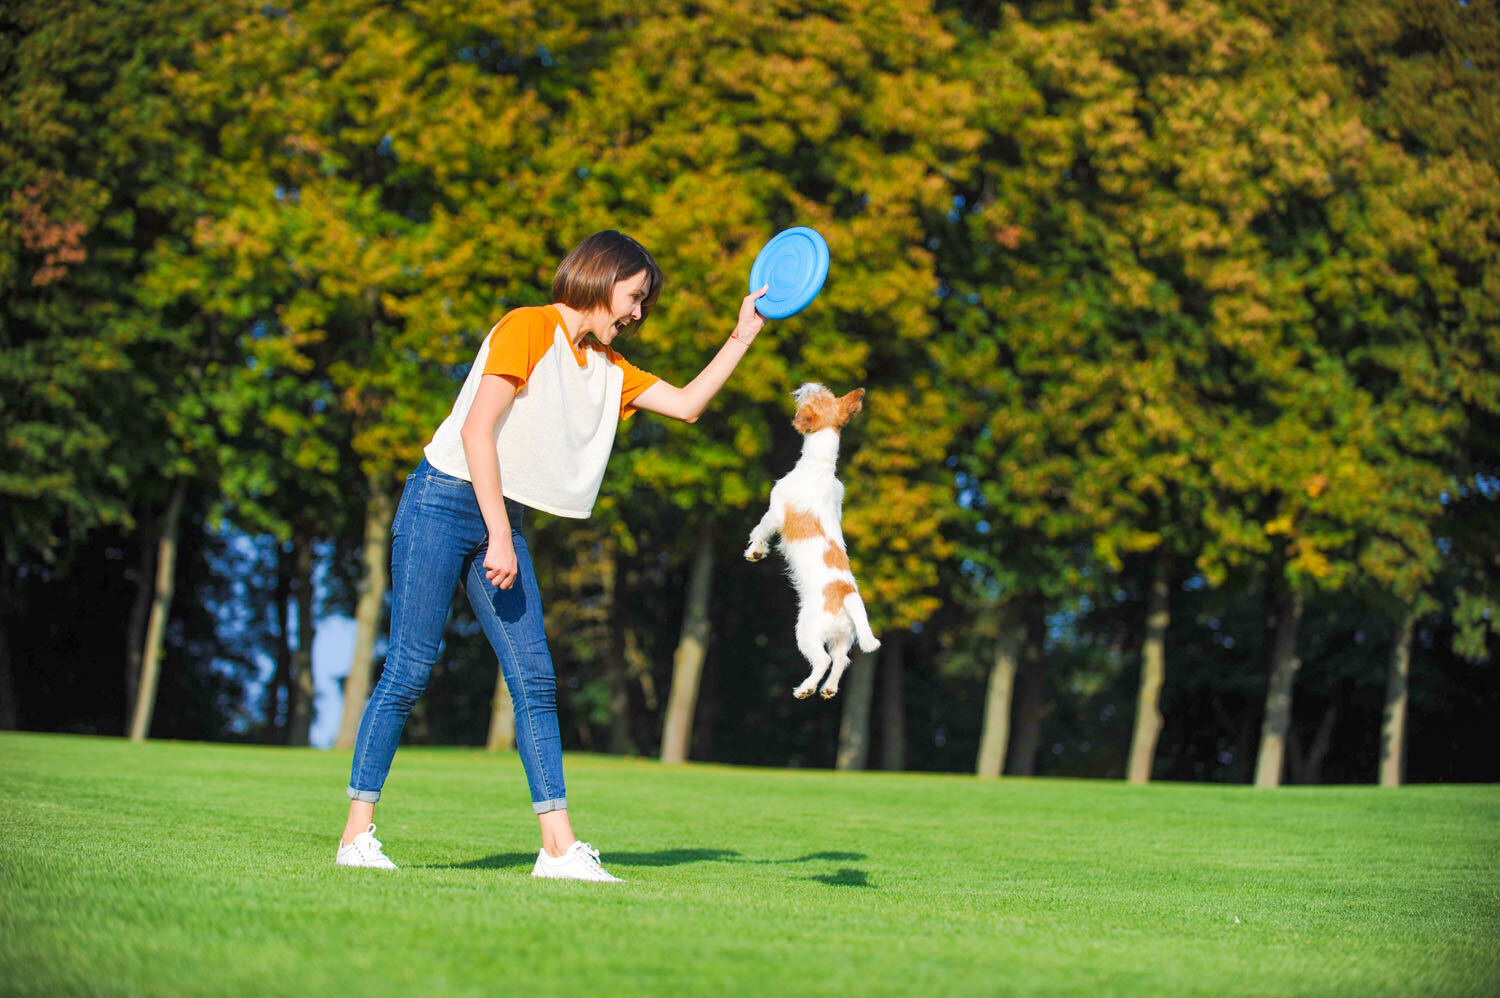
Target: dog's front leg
<point>760,537</point>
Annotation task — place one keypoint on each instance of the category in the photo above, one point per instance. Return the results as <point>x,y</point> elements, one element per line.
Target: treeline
<point>1181,449</point>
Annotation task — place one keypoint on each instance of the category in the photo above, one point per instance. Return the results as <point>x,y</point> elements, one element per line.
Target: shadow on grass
<point>499,861</point>
<point>845,877</point>
<point>667,857</point>
<point>846,856</point>
<point>673,857</point>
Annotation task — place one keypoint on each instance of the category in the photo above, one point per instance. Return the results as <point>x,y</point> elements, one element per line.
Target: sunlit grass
<point>208,869</point>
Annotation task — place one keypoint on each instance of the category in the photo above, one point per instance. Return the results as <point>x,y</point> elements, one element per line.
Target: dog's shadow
<point>845,877</point>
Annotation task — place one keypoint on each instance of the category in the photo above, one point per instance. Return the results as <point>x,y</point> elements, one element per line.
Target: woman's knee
<point>539,689</point>
<point>403,684</point>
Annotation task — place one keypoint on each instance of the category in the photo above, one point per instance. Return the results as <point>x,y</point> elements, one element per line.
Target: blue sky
<point>333,647</point>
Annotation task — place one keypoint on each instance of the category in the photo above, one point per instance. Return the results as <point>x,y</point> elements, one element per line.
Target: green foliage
<point>1222,318</point>
<point>1218,279</point>
<point>88,170</point>
<point>714,120</point>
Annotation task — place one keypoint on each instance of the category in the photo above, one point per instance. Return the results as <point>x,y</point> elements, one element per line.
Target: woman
<point>532,427</point>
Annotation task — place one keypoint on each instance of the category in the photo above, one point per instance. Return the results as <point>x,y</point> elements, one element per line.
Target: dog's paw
<point>802,692</point>
<point>829,692</point>
<point>756,552</point>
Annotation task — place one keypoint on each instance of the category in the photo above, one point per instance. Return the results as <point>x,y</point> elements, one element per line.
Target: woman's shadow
<point>845,877</point>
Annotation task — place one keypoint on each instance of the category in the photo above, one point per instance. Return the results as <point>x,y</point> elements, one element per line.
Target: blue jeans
<point>437,538</point>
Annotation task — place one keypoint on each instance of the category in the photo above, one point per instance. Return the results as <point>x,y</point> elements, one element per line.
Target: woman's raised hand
<point>750,322</point>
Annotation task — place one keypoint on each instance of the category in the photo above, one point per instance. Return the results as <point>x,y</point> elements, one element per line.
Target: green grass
<point>172,868</point>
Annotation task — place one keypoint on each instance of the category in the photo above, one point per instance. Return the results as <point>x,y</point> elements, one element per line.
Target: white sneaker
<point>580,862</point>
<point>364,851</point>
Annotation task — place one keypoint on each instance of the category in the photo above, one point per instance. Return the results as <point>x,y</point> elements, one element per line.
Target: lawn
<point>172,868</point>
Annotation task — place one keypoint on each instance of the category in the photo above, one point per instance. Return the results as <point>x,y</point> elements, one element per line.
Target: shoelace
<point>593,856</point>
<point>373,840</point>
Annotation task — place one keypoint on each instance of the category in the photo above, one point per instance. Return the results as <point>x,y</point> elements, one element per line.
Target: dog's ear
<point>850,404</point>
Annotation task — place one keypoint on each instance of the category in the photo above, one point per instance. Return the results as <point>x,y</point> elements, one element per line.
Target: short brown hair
<point>587,276</point>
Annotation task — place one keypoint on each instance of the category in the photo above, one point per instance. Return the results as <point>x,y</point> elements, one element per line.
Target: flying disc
<point>794,264</point>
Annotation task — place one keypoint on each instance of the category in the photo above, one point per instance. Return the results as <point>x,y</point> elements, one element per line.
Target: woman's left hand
<point>751,322</point>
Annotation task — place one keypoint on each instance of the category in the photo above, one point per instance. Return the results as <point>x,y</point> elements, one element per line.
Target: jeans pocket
<point>436,477</point>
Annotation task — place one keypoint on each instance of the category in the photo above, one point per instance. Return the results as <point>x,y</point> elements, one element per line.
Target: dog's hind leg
<point>856,608</point>
<point>840,651</point>
<point>810,643</point>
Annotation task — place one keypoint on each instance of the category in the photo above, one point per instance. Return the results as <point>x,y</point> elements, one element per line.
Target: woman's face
<point>624,307</point>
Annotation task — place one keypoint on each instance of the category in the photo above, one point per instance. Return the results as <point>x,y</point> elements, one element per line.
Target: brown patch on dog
<point>834,557</point>
<point>819,411</point>
<point>834,594</point>
<point>800,525</point>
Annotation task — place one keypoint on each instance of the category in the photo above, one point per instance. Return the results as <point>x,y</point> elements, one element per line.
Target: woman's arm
<point>688,403</point>
<point>478,434</point>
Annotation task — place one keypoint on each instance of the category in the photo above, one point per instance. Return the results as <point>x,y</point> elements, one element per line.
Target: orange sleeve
<point>636,381</point>
<point>518,341</point>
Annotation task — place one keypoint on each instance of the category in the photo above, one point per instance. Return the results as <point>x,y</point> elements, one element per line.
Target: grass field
<point>171,868</point>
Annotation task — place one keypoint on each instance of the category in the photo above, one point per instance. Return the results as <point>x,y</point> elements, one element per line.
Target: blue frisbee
<point>794,264</point>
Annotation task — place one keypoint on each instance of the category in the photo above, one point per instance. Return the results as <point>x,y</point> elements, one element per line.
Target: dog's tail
<point>862,632</point>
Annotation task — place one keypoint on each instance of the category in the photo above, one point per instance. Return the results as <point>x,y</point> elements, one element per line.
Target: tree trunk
<point>616,673</point>
<point>1026,726</point>
<point>1284,665</point>
<point>856,690</point>
<point>161,605</point>
<point>995,733</point>
<point>639,664</point>
<point>706,716</point>
<point>502,736</point>
<point>372,583</point>
<point>1153,672</point>
<point>893,703</point>
<point>279,698</point>
<point>1393,725</point>
<point>135,629</point>
<point>692,649</point>
<point>301,690</point>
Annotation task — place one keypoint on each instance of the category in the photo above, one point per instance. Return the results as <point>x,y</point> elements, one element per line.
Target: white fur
<point>824,638</point>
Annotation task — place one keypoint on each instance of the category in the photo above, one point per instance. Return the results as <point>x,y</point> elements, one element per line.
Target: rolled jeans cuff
<point>368,796</point>
<point>543,806</point>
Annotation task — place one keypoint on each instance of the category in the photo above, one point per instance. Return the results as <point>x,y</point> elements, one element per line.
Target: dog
<point>807,507</point>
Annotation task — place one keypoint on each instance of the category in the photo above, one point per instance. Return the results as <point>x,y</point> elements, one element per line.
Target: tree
<point>651,137</point>
<point>1148,718</point>
<point>166,568</point>
<point>1396,297</point>
<point>359,241</point>
<point>856,691</point>
<point>92,171</point>
<point>1428,71</point>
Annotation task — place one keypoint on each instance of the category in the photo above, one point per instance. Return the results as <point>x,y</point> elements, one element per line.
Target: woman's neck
<point>574,321</point>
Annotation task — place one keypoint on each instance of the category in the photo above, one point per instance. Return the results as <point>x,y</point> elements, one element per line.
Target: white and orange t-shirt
<point>554,439</point>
